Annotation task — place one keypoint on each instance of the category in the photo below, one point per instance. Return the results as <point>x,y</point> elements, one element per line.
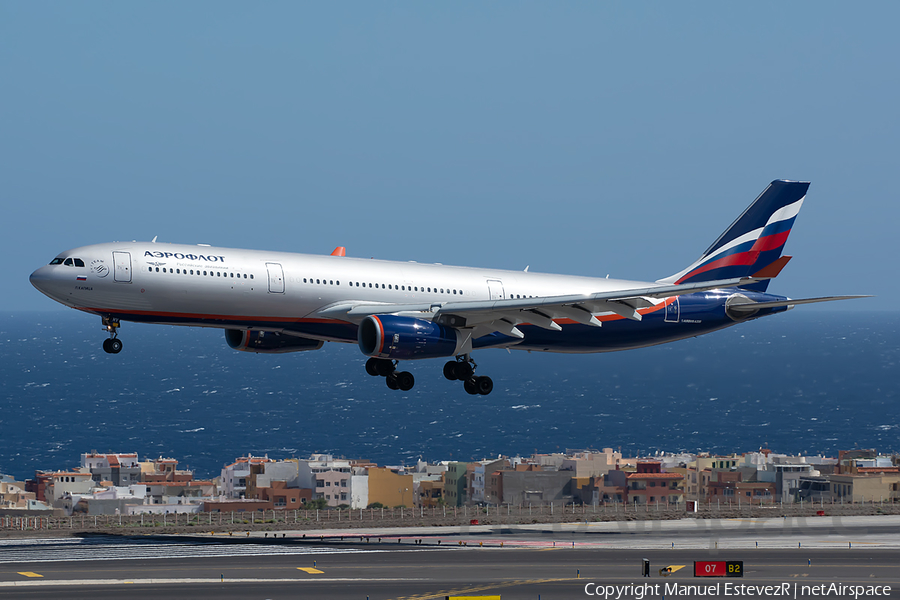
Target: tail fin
<point>754,241</point>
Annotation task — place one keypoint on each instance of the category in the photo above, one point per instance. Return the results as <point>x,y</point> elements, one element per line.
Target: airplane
<point>275,302</point>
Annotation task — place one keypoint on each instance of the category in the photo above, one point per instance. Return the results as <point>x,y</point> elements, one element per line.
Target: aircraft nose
<point>39,278</point>
<point>42,279</point>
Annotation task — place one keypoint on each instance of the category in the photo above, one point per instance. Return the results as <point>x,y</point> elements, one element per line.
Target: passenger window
<point>245,276</point>
<point>304,280</point>
<point>251,276</point>
<point>232,275</point>
<point>157,269</point>
<point>79,262</point>
<point>56,261</point>
<point>330,282</point>
<point>204,272</point>
<point>317,281</point>
<point>68,262</point>
<point>338,282</point>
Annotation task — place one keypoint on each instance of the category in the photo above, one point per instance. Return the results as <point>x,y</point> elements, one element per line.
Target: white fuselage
<point>226,287</point>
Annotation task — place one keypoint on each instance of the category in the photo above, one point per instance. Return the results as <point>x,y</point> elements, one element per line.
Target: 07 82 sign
<point>719,568</point>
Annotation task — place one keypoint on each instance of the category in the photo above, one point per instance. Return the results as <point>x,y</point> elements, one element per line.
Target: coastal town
<point>123,484</point>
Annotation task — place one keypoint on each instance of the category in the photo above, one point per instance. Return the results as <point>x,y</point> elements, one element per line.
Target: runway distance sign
<point>719,568</point>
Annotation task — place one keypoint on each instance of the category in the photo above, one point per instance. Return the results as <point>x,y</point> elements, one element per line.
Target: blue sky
<point>584,138</point>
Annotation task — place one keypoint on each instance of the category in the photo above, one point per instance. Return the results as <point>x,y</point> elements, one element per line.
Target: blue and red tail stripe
<point>754,241</point>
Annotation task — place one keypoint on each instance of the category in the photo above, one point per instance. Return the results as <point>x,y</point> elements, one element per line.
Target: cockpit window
<point>56,261</point>
<point>68,262</point>
<point>78,262</point>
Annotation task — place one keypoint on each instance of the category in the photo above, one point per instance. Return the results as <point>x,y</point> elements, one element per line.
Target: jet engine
<point>406,338</point>
<point>268,342</point>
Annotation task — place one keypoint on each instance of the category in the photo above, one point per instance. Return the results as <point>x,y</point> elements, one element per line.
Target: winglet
<point>773,269</point>
<point>339,251</point>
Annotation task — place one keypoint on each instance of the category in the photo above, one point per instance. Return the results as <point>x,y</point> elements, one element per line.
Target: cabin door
<point>276,278</point>
<point>673,311</point>
<point>495,288</point>
<point>122,267</point>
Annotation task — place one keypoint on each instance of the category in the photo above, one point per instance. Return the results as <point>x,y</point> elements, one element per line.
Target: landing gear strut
<point>463,369</point>
<point>112,345</point>
<point>402,380</point>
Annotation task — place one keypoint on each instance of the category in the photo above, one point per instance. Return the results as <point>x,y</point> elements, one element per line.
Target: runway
<point>549,564</point>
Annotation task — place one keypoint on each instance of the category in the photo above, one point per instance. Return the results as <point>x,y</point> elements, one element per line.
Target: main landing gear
<point>112,345</point>
<point>463,369</point>
<point>395,380</point>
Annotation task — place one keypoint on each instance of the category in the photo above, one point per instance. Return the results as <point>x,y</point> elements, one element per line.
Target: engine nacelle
<point>406,338</point>
<point>268,342</point>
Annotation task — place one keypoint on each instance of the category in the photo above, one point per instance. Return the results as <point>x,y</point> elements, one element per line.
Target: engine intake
<point>406,338</point>
<point>268,342</point>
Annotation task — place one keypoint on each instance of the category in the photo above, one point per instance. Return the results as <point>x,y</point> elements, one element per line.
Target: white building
<point>327,478</point>
<point>279,470</point>
<point>359,491</point>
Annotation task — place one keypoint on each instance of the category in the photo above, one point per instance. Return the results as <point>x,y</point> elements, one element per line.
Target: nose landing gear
<point>112,345</point>
<point>395,380</point>
<point>463,369</point>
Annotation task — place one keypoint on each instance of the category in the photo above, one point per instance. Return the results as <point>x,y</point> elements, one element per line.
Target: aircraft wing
<point>488,316</point>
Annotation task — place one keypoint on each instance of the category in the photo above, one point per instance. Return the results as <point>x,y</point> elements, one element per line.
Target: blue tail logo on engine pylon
<point>754,241</point>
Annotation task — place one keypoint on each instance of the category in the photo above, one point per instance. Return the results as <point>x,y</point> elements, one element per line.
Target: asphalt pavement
<point>863,556</point>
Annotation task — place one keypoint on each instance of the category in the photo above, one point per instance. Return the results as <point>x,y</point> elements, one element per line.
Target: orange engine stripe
<point>380,333</point>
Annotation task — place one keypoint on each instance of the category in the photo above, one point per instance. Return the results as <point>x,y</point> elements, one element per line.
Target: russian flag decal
<point>81,278</point>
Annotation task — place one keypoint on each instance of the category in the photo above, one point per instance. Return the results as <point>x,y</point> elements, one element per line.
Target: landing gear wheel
<point>450,370</point>
<point>372,367</point>
<point>391,381</point>
<point>463,371</point>
<point>111,345</point>
<point>385,367</point>
<point>405,380</point>
<point>484,385</point>
<point>470,386</point>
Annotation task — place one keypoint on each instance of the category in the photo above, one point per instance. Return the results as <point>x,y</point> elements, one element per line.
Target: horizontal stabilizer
<point>753,306</point>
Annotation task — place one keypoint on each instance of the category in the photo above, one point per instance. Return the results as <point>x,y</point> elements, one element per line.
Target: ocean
<point>808,381</point>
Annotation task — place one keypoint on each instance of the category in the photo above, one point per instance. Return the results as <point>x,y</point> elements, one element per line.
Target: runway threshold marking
<point>309,570</point>
<point>29,574</point>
